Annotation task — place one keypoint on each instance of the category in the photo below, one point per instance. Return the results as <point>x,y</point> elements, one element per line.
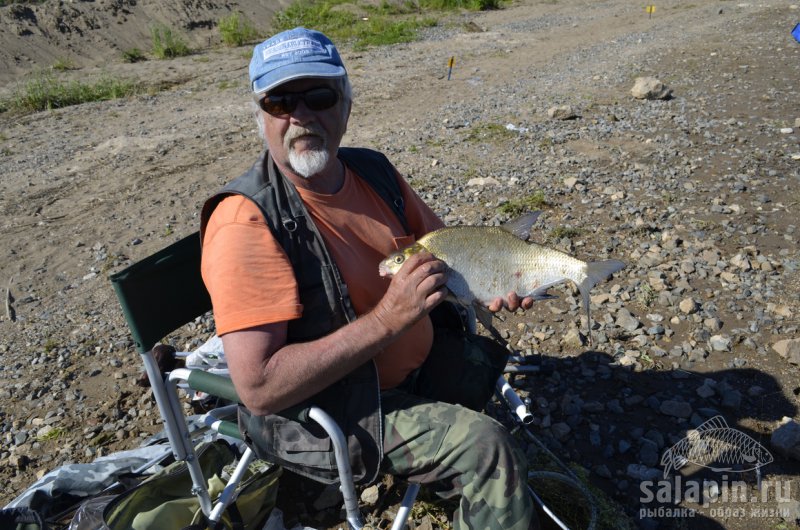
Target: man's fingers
<point>512,302</point>
<point>527,302</point>
<point>496,305</point>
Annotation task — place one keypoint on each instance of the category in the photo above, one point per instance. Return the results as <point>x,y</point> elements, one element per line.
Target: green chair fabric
<point>162,292</point>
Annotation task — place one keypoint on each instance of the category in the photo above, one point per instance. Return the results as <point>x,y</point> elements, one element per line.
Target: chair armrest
<point>214,384</point>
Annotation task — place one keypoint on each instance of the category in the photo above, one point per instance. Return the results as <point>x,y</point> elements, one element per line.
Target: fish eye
<point>399,259</point>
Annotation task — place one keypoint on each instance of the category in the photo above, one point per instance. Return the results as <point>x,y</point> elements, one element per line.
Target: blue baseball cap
<point>294,54</point>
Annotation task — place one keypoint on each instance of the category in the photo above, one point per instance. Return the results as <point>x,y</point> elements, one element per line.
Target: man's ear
<point>347,110</point>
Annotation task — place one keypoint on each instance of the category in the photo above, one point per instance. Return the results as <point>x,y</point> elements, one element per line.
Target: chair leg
<point>228,495</point>
<point>404,511</point>
<point>180,437</point>
<point>346,485</point>
<point>175,427</point>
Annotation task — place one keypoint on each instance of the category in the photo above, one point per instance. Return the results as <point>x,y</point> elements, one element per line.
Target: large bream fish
<point>486,262</point>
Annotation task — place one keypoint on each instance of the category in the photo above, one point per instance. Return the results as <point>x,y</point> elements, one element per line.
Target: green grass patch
<point>53,434</point>
<point>529,203</point>
<point>45,92</point>
<point>561,232</point>
<point>134,55</point>
<point>364,24</point>
<point>489,132</point>
<point>167,44</point>
<point>471,5</point>
<point>236,31</point>
<point>646,295</point>
<point>63,64</point>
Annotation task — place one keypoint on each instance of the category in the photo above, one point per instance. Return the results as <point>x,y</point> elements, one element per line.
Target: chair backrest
<point>162,292</point>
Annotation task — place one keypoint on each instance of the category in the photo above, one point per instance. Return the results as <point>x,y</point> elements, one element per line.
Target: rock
<point>648,454</point>
<point>732,399</point>
<point>370,495</point>
<point>740,261</point>
<point>705,391</point>
<point>641,473</point>
<point>650,88</point>
<point>425,523</point>
<point>601,470</point>
<point>560,430</point>
<point>789,349</point>
<point>678,409</point>
<point>720,343</point>
<point>688,306</point>
<point>573,339</point>
<point>483,181</point>
<point>627,321</point>
<point>19,462</point>
<point>786,439</point>
<point>561,112</point>
<point>330,497</point>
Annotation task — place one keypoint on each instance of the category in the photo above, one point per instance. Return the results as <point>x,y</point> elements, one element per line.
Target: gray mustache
<point>296,132</point>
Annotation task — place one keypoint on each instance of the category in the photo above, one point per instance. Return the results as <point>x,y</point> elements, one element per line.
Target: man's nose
<point>302,114</point>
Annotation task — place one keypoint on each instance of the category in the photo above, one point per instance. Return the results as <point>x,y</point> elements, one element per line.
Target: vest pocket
<point>296,445</point>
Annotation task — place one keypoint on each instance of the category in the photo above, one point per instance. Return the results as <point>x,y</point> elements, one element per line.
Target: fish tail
<point>596,272</point>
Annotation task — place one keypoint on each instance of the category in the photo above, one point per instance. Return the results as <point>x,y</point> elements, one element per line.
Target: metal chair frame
<point>158,295</point>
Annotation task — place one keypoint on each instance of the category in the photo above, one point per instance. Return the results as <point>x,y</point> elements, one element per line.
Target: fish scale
<point>487,262</point>
<point>501,263</point>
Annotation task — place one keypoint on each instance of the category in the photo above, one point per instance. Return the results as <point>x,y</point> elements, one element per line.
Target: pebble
<point>678,409</point>
<point>786,438</point>
<point>789,349</point>
<point>720,343</point>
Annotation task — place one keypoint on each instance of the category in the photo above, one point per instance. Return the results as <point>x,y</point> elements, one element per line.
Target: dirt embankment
<point>90,33</point>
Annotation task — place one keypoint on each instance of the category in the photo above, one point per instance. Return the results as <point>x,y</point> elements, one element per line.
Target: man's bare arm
<point>270,375</point>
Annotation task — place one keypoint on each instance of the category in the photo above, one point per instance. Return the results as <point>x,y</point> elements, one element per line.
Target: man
<point>290,258</point>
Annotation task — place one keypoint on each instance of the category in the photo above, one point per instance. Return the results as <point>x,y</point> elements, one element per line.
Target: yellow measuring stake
<point>450,65</point>
<point>650,10</point>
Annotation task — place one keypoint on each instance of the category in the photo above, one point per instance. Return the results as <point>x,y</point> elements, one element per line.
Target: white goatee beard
<point>308,163</point>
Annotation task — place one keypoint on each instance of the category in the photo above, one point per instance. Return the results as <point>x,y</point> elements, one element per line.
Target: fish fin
<point>537,296</point>
<point>484,316</point>
<point>521,226</point>
<point>596,272</point>
<point>666,461</point>
<point>717,422</point>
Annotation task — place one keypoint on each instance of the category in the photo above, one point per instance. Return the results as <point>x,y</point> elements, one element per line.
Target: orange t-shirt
<point>251,280</point>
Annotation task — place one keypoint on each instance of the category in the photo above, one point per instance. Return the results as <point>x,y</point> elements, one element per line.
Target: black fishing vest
<point>354,402</point>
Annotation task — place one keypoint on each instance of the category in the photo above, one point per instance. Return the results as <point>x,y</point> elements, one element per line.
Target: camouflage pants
<point>457,451</point>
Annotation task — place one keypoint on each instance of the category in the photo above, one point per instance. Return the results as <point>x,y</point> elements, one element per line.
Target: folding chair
<point>162,293</point>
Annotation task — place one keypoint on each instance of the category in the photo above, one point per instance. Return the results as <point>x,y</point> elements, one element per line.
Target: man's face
<point>306,140</point>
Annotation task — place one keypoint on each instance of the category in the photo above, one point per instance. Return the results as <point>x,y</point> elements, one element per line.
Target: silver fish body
<point>486,262</point>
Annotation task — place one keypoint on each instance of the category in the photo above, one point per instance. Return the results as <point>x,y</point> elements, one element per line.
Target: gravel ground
<point>697,193</point>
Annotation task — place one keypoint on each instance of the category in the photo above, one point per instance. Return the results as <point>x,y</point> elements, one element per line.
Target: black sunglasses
<point>315,99</point>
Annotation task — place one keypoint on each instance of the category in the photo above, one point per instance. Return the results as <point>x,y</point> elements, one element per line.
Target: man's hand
<point>512,302</point>
<point>416,289</point>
